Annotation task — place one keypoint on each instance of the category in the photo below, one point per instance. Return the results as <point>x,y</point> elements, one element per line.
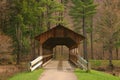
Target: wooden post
<point>78,49</point>
<point>55,52</point>
<point>69,54</point>
<point>52,53</point>
<point>62,51</point>
<point>74,51</point>
<point>41,50</point>
<point>76,54</point>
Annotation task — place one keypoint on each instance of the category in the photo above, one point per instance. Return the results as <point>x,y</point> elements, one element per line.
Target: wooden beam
<point>69,54</point>
<point>45,56</point>
<point>41,50</point>
<point>78,49</point>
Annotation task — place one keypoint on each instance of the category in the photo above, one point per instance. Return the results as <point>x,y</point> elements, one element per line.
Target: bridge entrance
<point>61,53</point>
<point>52,45</point>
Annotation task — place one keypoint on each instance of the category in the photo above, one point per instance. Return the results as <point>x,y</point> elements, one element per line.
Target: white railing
<point>36,63</point>
<point>39,62</point>
<point>82,63</point>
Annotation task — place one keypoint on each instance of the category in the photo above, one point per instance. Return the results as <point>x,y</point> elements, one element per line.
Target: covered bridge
<point>59,35</point>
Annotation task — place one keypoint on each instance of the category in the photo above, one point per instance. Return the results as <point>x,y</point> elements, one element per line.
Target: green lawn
<point>27,75</point>
<point>94,75</point>
<point>98,63</point>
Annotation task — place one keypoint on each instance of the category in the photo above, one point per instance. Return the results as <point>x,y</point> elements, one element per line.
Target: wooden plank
<point>45,56</point>
<point>79,49</point>
<point>46,62</point>
<point>82,60</point>
<point>83,66</point>
<point>41,49</point>
<point>74,62</point>
<point>36,60</point>
<point>37,65</point>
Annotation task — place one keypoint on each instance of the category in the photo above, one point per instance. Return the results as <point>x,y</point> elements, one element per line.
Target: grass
<point>97,63</point>
<point>27,75</point>
<point>94,75</point>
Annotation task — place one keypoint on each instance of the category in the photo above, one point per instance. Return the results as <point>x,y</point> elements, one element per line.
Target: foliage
<point>94,75</point>
<point>97,63</point>
<point>27,75</point>
<point>29,18</point>
<point>108,26</point>
<point>82,9</point>
<point>53,6</point>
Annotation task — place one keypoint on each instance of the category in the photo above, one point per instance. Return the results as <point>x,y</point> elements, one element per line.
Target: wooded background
<point>22,20</point>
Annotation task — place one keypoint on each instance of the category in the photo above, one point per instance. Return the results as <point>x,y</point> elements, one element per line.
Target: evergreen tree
<point>27,20</point>
<point>80,12</point>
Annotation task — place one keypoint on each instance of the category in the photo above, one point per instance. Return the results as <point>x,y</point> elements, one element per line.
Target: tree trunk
<point>34,49</point>
<point>85,41</point>
<point>32,41</point>
<point>110,55</point>
<point>34,44</point>
<point>103,51</point>
<point>91,36</point>
<point>117,53</point>
<point>18,55</point>
<point>48,22</point>
<point>18,44</point>
<point>110,58</point>
<point>0,20</point>
<point>48,25</point>
<point>61,14</point>
<point>61,1</point>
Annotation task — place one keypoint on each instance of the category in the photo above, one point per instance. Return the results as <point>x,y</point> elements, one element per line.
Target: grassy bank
<point>94,75</point>
<point>27,75</point>
<point>98,63</point>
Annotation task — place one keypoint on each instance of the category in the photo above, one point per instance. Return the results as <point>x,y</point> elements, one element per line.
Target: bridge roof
<point>59,35</point>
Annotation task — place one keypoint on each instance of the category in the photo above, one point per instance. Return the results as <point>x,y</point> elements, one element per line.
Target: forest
<point>22,20</point>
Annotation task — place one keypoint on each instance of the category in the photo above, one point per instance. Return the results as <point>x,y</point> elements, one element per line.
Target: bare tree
<point>109,26</point>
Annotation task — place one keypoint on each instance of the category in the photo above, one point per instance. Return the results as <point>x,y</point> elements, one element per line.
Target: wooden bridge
<point>59,35</point>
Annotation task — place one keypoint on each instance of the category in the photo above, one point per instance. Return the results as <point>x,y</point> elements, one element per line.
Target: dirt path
<point>58,70</point>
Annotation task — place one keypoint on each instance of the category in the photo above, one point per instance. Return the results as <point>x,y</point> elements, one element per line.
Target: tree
<point>52,7</point>
<point>22,15</point>
<point>109,27</point>
<point>91,38</point>
<point>80,12</point>
<point>27,19</point>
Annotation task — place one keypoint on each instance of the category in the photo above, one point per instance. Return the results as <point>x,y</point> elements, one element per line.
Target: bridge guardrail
<point>82,62</point>
<point>39,61</point>
<point>36,63</point>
